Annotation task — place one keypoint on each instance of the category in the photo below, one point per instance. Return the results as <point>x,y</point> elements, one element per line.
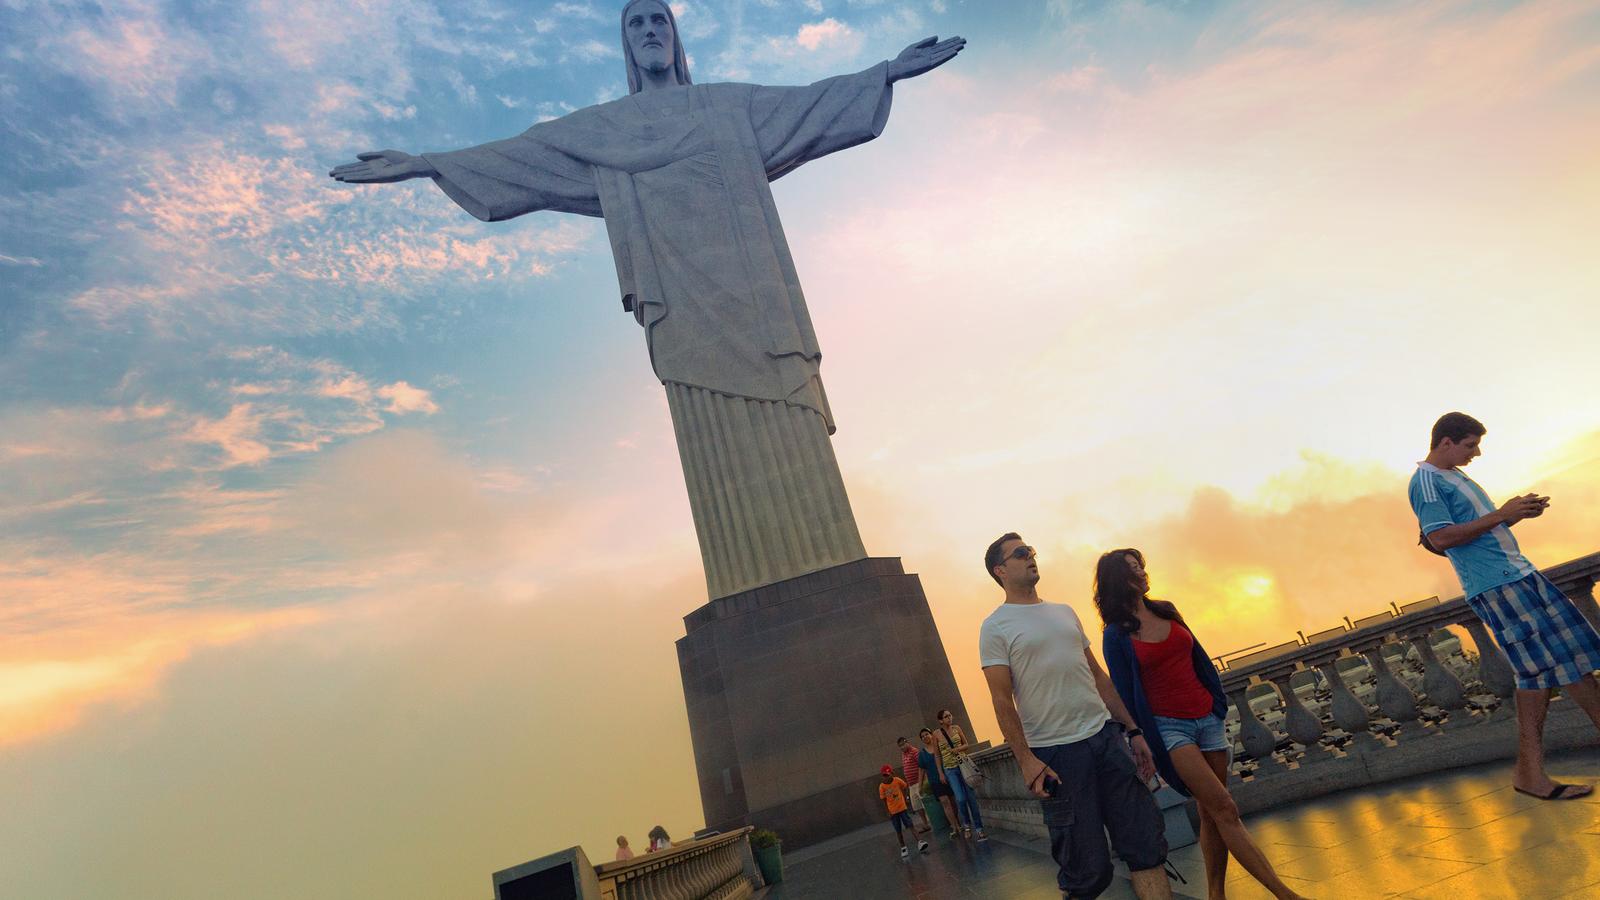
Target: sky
<point>343,542</point>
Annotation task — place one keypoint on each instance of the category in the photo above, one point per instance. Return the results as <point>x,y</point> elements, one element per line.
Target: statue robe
<point>681,177</point>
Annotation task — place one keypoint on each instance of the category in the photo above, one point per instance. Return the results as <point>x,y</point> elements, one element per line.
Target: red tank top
<point>1166,671</point>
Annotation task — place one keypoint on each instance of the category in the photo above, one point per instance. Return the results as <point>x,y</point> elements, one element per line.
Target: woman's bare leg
<point>1212,849</point>
<point>950,810</point>
<point>1213,797</point>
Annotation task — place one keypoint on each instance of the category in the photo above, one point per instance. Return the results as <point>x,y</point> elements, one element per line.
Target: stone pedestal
<point>564,875</point>
<point>797,690</point>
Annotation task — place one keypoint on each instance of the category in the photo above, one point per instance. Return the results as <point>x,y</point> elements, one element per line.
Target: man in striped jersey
<point>1549,642</point>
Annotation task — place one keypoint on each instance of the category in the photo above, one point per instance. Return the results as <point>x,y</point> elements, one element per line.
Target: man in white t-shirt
<point>1078,746</point>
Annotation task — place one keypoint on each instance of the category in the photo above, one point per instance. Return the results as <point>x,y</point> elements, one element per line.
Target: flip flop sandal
<point>1559,792</point>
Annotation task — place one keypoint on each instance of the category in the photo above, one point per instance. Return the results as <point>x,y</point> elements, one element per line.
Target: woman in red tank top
<point>1169,685</point>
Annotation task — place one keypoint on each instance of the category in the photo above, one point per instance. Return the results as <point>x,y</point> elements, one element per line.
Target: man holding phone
<point>1549,642</point>
<point>1078,747</point>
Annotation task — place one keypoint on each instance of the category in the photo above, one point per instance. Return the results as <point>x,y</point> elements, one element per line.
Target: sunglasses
<point>1023,552</point>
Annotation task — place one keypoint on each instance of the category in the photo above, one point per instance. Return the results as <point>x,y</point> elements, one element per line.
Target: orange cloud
<point>1322,540</point>
<point>82,632</point>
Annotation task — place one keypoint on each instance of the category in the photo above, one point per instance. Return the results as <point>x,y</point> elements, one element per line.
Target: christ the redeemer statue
<point>680,173</point>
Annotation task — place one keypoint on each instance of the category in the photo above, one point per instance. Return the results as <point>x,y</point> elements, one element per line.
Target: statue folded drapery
<point>681,176</point>
<point>680,173</point>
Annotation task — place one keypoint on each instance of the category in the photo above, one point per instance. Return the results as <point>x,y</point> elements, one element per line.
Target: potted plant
<point>769,854</point>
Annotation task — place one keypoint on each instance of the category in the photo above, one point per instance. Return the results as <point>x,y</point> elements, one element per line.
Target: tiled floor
<point>1462,835</point>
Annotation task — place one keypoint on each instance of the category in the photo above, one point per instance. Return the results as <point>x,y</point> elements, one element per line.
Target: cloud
<point>247,239</point>
<point>578,11</point>
<point>137,60</point>
<point>296,736</point>
<point>829,34</point>
<point>152,466</point>
<point>110,642</point>
<point>236,434</point>
<point>204,565</point>
<point>32,261</point>
<point>695,21</point>
<point>813,49</point>
<point>1306,546</point>
<point>592,50</point>
<point>183,180</point>
<point>403,398</point>
<point>468,93</point>
<point>298,405</point>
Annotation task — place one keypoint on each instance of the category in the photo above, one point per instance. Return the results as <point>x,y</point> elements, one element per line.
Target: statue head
<point>650,42</point>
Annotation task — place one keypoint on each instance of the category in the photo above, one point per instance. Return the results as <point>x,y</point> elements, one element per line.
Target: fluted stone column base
<point>797,690</point>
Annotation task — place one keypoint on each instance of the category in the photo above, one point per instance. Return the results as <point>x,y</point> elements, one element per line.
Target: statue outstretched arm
<point>494,181</point>
<point>383,167</point>
<point>924,56</point>
<point>795,125</point>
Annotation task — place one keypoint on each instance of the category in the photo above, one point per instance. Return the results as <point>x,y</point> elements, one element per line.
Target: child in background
<point>893,793</point>
<point>623,850</point>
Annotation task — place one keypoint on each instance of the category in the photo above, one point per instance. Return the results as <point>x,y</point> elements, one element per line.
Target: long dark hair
<point>1115,597</point>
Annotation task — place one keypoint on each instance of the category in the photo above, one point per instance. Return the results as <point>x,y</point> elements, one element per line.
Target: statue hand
<point>382,167</point>
<point>925,55</point>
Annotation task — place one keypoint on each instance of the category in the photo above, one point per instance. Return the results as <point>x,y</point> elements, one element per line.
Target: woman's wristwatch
<point>1134,732</point>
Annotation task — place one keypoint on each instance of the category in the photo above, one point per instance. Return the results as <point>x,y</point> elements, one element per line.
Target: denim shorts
<point>1206,733</point>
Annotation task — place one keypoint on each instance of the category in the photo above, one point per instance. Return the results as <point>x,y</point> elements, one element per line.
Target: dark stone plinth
<point>563,875</point>
<point>796,692</point>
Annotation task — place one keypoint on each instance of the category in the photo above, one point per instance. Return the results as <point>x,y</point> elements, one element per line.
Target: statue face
<point>650,37</point>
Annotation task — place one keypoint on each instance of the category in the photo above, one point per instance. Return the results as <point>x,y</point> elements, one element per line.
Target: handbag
<point>969,770</point>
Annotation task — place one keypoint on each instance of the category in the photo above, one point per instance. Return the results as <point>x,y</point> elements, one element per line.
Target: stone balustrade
<point>721,867</point>
<point>1391,696</point>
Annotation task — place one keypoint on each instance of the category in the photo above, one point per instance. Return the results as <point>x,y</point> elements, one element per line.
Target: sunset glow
<point>343,542</point>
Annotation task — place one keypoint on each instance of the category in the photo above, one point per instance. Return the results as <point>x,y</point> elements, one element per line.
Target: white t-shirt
<point>1043,643</point>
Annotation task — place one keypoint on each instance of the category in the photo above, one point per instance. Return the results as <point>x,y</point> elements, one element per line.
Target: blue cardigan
<point>1123,666</point>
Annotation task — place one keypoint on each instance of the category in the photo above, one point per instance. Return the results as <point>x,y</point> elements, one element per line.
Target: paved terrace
<point>1375,763</point>
<point>1461,835</point>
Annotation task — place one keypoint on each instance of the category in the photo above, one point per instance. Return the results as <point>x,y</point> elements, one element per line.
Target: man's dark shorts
<point>1099,792</point>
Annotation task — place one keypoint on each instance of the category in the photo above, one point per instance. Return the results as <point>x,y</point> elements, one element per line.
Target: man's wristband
<point>1135,732</point>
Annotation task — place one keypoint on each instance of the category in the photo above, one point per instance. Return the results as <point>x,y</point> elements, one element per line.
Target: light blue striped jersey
<point>1442,497</point>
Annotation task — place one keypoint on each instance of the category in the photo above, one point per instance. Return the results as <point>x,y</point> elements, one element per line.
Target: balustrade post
<point>1258,739</point>
<point>1582,595</point>
<point>1494,670</point>
<point>1302,725</point>
<point>698,877</point>
<point>677,882</point>
<point>747,863</point>
<point>1443,688</point>
<point>1349,713</point>
<point>1395,699</point>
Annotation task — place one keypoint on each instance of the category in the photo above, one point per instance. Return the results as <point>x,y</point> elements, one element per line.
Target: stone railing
<point>1384,703</point>
<point>1385,697</point>
<point>1007,804</point>
<point>721,867</point>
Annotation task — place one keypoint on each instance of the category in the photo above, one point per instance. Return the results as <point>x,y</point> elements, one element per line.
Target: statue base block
<point>797,690</point>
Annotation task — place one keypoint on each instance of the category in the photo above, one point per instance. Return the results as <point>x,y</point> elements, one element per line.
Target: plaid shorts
<point>1547,639</point>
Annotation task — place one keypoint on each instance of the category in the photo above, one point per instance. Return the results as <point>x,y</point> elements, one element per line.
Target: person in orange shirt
<point>893,793</point>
